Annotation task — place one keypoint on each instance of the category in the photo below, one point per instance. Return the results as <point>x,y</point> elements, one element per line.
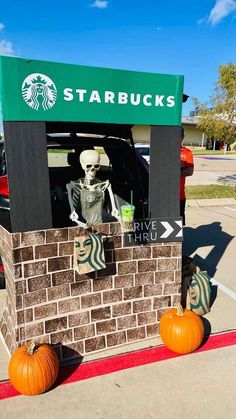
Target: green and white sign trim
<point>33,90</point>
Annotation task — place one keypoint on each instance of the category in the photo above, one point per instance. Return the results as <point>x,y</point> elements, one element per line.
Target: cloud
<point>2,26</point>
<point>6,48</point>
<point>99,4</point>
<point>221,9</point>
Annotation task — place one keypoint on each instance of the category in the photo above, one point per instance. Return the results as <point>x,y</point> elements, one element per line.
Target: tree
<point>217,116</point>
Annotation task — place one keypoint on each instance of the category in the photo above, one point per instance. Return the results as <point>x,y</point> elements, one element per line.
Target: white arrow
<point>168,228</point>
<point>180,233</point>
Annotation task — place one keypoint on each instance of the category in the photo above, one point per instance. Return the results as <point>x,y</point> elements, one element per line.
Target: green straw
<point>131,198</point>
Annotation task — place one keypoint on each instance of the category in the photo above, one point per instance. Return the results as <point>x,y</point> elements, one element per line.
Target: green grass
<point>210,192</point>
<point>211,152</point>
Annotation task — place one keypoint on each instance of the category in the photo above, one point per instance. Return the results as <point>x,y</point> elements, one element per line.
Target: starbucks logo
<point>39,91</point>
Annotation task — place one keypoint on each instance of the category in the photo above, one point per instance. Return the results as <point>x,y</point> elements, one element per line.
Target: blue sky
<point>192,38</point>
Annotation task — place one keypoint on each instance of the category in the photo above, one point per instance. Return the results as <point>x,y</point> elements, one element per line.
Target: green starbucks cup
<point>127,218</point>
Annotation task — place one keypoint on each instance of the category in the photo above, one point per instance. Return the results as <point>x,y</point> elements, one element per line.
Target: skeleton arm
<point>73,215</point>
<point>115,212</point>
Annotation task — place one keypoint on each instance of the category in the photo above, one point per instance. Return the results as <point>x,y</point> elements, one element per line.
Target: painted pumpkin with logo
<point>182,331</point>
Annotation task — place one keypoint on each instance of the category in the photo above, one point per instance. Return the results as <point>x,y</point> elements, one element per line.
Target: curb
<point>210,202</point>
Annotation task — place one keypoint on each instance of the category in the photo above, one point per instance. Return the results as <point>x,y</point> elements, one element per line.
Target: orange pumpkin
<point>181,330</point>
<point>33,369</point>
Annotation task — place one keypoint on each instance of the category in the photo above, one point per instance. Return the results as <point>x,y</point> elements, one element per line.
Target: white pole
<point>203,138</point>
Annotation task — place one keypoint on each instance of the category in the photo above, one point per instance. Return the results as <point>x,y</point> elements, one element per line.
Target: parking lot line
<point>224,289</point>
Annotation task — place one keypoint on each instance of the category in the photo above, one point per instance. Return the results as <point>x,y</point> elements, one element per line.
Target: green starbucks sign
<point>33,90</point>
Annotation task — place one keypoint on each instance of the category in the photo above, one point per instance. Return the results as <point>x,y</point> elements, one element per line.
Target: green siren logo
<point>39,91</point>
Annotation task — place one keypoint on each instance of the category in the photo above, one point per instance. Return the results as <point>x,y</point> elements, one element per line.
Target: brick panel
<point>127,267</point>
<point>116,339</point>
<point>65,277</point>
<point>62,337</point>
<point>102,283</point>
<point>146,265</point>
<point>126,322</point>
<point>123,281</point>
<point>66,249</point>
<point>56,293</point>
<point>101,313</point>
<point>153,330</point>
<point>95,344</point>
<point>176,251</point>
<point>143,305</point>
<point>123,254</point>
<point>31,331</point>
<point>106,327</point>
<point>70,305</point>
<point>39,282</point>
<point>144,278</point>
<point>24,316</point>
<point>84,332</point>
<point>53,236</point>
<point>112,296</point>
<point>45,251</point>
<point>48,310</point>
<point>161,302</point>
<point>167,264</point>
<point>146,318</point>
<point>35,268</point>
<point>79,319</point>
<point>84,277</point>
<point>172,288</point>
<point>82,287</point>
<point>136,334</point>
<point>165,276</point>
<point>35,298</point>
<point>142,252</point>
<point>23,254</point>
<point>176,300</point>
<point>59,264</point>
<point>161,251</point>
<point>32,238</point>
<point>155,289</point>
<point>133,292</point>
<point>91,300</point>
<point>55,325</point>
<point>121,309</point>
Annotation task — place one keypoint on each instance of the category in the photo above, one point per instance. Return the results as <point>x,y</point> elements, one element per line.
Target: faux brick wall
<point>47,301</point>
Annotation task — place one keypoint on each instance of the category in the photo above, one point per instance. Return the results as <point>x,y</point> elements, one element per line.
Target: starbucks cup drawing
<point>127,218</point>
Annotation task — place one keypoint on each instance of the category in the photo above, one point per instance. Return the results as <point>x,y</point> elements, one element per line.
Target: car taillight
<point>1,268</point>
<point>4,190</point>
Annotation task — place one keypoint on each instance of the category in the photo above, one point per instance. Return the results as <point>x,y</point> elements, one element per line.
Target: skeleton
<point>89,192</point>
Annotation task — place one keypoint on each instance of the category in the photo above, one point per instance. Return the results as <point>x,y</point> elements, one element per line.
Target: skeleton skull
<point>90,162</point>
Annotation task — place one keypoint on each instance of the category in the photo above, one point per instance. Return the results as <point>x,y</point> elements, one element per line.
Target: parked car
<point>144,150</point>
<point>120,163</point>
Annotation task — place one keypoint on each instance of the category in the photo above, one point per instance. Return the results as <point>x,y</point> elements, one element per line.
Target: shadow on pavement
<point>203,236</point>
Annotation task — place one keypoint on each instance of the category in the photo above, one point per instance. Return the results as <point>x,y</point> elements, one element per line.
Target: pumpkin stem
<point>180,310</point>
<point>31,348</point>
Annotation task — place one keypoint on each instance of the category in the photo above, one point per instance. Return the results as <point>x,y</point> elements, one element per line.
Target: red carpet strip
<point>122,362</point>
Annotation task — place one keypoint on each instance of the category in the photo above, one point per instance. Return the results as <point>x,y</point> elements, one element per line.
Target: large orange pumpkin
<point>33,369</point>
<point>181,330</point>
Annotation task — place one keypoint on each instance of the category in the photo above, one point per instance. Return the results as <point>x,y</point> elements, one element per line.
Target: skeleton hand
<point>115,213</point>
<point>74,217</point>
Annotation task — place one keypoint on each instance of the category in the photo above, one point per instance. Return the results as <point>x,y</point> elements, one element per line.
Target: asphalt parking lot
<point>217,169</point>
